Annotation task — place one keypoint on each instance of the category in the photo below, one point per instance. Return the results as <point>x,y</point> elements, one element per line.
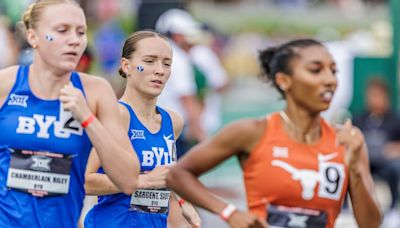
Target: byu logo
<point>41,163</point>
<point>19,100</point>
<point>137,134</point>
<point>156,153</point>
<point>40,125</point>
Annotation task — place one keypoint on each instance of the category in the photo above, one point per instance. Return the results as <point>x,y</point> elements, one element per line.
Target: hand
<point>73,100</point>
<point>157,177</point>
<point>353,140</point>
<point>191,215</point>
<point>241,219</point>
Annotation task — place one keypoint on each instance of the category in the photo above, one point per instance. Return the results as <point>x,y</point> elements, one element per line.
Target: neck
<point>46,83</point>
<point>304,128</point>
<point>144,106</point>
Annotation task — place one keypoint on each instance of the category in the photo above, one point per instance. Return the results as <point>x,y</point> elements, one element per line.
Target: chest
<point>40,125</point>
<point>303,174</point>
<point>153,149</point>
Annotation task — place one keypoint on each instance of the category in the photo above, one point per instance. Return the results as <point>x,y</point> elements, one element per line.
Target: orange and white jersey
<point>296,184</point>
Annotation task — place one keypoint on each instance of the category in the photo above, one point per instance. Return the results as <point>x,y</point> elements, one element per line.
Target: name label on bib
<point>39,171</point>
<point>150,200</point>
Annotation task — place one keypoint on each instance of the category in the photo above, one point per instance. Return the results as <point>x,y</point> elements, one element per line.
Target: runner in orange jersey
<point>297,167</point>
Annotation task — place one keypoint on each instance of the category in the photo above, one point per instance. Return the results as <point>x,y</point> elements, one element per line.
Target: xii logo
<point>41,163</point>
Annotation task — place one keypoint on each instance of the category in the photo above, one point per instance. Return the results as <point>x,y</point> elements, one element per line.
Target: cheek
<point>305,87</point>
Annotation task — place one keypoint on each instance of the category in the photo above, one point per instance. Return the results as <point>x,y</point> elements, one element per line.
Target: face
<point>60,36</point>
<point>377,100</point>
<point>154,55</point>
<point>313,81</point>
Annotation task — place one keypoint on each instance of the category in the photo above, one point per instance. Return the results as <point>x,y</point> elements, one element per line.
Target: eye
<point>62,30</point>
<point>148,61</point>
<point>315,70</point>
<point>167,64</point>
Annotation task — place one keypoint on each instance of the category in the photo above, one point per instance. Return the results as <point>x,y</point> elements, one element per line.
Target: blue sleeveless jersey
<point>153,150</point>
<point>52,147</point>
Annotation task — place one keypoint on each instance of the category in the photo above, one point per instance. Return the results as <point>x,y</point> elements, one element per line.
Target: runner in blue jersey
<point>146,64</point>
<point>50,118</point>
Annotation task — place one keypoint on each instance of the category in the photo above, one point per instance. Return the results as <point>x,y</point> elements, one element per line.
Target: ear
<point>32,38</point>
<point>125,66</point>
<point>284,81</point>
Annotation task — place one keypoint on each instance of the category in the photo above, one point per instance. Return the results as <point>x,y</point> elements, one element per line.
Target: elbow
<point>130,186</point>
<point>129,189</point>
<point>89,186</point>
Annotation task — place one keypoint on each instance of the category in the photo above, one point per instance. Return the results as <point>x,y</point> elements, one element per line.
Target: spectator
<point>180,92</point>
<point>380,126</point>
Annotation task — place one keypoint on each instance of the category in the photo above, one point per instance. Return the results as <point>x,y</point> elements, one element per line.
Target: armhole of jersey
<point>77,82</point>
<point>17,82</point>
<point>255,152</point>
<point>165,114</point>
<point>130,111</point>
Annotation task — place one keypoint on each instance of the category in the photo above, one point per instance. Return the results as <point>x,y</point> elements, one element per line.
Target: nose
<point>330,79</point>
<point>74,39</point>
<point>159,68</point>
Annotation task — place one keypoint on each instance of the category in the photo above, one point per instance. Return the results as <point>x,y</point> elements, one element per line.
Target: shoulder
<point>177,122</point>
<point>250,126</point>
<point>91,82</point>
<point>7,79</point>
<point>245,133</point>
<point>99,94</point>
<point>97,88</point>
<point>125,115</point>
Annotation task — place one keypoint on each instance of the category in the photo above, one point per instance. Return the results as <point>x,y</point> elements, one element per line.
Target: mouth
<point>327,96</point>
<point>157,82</point>
<point>71,54</point>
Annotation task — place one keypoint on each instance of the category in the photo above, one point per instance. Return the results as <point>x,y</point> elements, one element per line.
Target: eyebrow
<point>155,57</point>
<point>69,25</point>
<point>318,62</point>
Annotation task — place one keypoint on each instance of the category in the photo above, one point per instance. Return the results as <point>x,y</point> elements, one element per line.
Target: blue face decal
<point>140,68</point>
<point>49,37</point>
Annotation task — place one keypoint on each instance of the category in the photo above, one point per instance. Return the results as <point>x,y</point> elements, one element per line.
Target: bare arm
<point>188,212</point>
<point>232,140</point>
<point>361,186</point>
<point>7,80</point>
<point>100,184</point>
<point>106,132</point>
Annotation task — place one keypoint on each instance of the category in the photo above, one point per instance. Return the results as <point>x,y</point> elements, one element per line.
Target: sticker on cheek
<point>49,37</point>
<point>140,68</point>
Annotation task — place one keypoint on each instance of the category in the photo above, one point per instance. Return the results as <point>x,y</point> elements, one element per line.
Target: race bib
<point>295,217</point>
<point>68,122</point>
<point>40,171</point>
<point>150,200</point>
<point>332,180</point>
